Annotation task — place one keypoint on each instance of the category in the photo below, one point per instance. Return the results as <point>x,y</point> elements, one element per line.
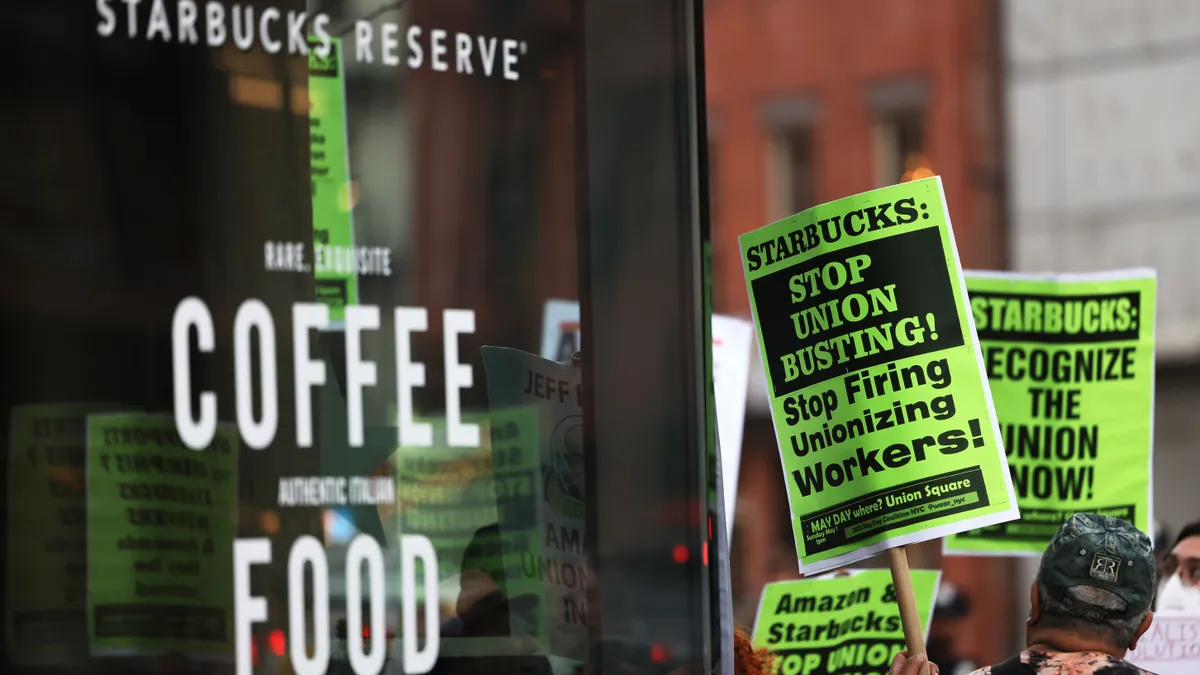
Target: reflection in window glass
<point>277,393</point>
<point>251,427</point>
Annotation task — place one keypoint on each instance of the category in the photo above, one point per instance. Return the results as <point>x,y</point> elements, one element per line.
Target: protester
<point>905,665</point>
<point>1090,602</point>
<point>1180,593</point>
<point>748,659</point>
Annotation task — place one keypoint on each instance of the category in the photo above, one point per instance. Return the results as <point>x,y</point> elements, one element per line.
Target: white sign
<point>516,379</point>
<point>731,379</point>
<point>1170,647</point>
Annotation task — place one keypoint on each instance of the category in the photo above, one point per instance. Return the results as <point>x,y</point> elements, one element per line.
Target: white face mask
<point>1178,598</point>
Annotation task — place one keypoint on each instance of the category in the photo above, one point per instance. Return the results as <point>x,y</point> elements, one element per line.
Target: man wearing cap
<point>1090,603</point>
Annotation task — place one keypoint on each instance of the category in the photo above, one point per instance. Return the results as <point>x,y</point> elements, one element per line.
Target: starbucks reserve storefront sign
<point>276,30</point>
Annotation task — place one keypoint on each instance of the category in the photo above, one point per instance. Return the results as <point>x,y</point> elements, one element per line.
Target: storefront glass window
<point>277,387</point>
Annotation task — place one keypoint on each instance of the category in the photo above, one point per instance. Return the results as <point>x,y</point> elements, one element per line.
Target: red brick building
<point>812,100</point>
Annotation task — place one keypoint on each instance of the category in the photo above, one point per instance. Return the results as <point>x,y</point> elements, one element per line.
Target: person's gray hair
<point>1118,632</point>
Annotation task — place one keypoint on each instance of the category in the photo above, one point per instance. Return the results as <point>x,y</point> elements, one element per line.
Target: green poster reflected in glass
<point>46,584</point>
<point>479,508</point>
<point>161,520</point>
<point>445,493</point>
<point>332,192</point>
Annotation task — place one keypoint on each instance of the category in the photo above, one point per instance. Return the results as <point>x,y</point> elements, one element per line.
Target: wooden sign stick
<point>906,599</point>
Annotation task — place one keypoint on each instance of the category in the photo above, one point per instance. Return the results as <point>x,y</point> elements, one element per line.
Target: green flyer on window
<point>46,585</point>
<point>1070,362</point>
<point>332,191</point>
<point>847,625</point>
<point>885,425</point>
<point>161,520</point>
<point>516,465</point>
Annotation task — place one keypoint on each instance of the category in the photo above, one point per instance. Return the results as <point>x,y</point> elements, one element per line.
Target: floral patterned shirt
<point>1045,662</point>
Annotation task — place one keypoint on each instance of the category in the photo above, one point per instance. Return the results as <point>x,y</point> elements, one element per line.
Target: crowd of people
<point>1097,590</point>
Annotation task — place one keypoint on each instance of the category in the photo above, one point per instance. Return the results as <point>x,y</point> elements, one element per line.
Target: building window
<point>899,142</point>
<point>793,171</point>
<point>899,146</point>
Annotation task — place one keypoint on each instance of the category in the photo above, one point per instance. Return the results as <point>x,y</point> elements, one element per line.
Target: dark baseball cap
<point>1101,552</point>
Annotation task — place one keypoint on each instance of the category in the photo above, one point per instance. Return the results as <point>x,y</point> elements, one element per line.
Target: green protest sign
<point>334,265</point>
<point>46,575</point>
<point>883,418</point>
<point>161,520</point>
<point>839,626</point>
<point>1070,362</point>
